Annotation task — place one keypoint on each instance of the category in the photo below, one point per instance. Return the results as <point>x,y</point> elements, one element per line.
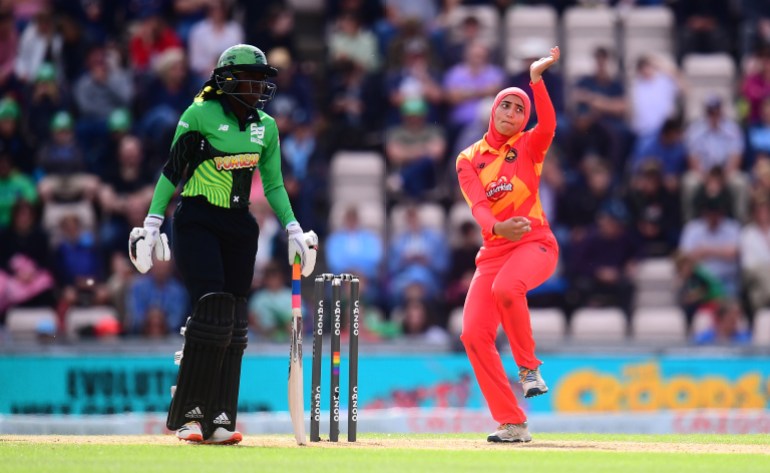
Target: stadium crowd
<point>92,91</point>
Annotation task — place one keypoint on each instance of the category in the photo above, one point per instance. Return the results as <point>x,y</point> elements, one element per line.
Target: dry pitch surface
<point>401,442</point>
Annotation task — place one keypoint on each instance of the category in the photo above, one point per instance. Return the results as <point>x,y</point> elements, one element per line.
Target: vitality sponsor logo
<point>236,161</point>
<point>496,190</point>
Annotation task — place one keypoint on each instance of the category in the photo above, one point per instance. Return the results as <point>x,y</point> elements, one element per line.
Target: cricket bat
<point>296,398</point>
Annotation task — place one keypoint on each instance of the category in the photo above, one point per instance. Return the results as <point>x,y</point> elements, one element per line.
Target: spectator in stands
<point>468,82</point>
<point>578,206</point>
<point>354,107</point>
<point>585,138</point>
<point>715,140</point>
<point>121,277</point>
<point>270,242</point>
<point>104,88</point>
<point>414,79</point>
<point>601,265</point>
<point>463,264</point>
<point>754,250</point>
<point>40,42</point>
<point>712,241</point>
<point>212,35</point>
<point>729,327</point>
<point>305,177</point>
<point>126,190</point>
<point>9,45</point>
<point>44,98</point>
<point>414,150</point>
<point>14,187</point>
<point>697,289</point>
<point>402,20</point>
<point>714,187</point>
<point>758,135</point>
<point>654,210</point>
<point>602,96</point>
<point>756,87</point>
<point>470,30</point>
<point>354,249</point>
<point>270,306</point>
<point>26,278</point>
<point>654,91</point>
<point>350,40</point>
<point>62,165</point>
<point>761,178</point>
<point>702,26</point>
<point>12,140</point>
<point>166,95</point>
<point>668,150</point>
<point>417,255</point>
<point>150,37</point>
<point>294,92</point>
<point>418,323</point>
<point>157,290</point>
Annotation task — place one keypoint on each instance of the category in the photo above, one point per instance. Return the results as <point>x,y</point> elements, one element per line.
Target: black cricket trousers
<point>214,247</point>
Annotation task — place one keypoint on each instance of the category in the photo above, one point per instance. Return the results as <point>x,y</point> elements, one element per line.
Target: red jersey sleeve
<point>474,193</point>
<point>542,134</point>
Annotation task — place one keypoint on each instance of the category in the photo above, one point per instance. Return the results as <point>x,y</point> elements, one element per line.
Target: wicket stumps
<point>336,322</point>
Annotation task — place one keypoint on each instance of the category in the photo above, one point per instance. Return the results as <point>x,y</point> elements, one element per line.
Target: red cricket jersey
<point>504,182</point>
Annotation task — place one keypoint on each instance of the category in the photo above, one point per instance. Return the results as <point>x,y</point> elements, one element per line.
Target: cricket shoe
<point>512,433</point>
<point>190,432</point>
<point>221,436</point>
<point>532,382</point>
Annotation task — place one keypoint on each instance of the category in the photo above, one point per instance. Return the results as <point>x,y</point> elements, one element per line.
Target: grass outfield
<point>548,453</point>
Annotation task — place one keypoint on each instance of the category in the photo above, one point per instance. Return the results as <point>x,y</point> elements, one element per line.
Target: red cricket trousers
<point>498,294</point>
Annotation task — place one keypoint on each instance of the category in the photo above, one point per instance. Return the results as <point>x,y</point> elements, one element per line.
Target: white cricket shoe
<point>220,436</point>
<point>513,433</point>
<point>532,383</point>
<point>190,432</point>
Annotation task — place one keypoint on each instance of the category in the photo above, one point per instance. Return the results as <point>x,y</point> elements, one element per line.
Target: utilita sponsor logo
<point>497,189</point>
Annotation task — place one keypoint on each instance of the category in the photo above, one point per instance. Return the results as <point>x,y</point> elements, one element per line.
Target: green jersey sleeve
<point>272,178</point>
<point>183,148</point>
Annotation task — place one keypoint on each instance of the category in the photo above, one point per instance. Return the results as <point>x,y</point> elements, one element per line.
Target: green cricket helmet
<point>244,60</point>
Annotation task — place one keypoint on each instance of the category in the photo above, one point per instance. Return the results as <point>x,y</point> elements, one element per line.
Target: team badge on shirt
<point>496,190</point>
<point>511,155</point>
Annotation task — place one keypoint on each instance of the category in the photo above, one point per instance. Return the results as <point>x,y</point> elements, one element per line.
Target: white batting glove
<point>304,244</point>
<point>142,241</point>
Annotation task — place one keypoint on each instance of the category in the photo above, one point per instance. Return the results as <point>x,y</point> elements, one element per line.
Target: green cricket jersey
<point>219,158</point>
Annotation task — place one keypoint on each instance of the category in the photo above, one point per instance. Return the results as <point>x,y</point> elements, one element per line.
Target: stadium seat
<point>761,335</point>
<point>524,23</point>
<point>487,16</point>
<point>605,324</point>
<point>357,177</point>
<point>81,317</point>
<point>646,30</point>
<point>455,322</point>
<point>26,323</point>
<point>308,6</point>
<point>708,75</point>
<point>548,324</point>
<point>701,321</point>
<point>585,29</point>
<point>655,273</point>
<point>431,215</point>
<point>659,324</point>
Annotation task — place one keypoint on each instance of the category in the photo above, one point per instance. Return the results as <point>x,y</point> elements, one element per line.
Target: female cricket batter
<point>219,142</point>
<point>499,177</point>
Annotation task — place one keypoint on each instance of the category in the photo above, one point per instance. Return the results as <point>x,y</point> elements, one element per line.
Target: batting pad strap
<point>207,336</point>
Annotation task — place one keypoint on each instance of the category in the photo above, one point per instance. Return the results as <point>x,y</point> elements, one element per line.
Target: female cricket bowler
<point>499,177</point>
<point>219,141</point>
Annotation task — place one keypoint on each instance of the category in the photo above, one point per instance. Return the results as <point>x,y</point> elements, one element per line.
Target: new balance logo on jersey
<point>223,127</point>
<point>222,419</point>
<point>195,414</point>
